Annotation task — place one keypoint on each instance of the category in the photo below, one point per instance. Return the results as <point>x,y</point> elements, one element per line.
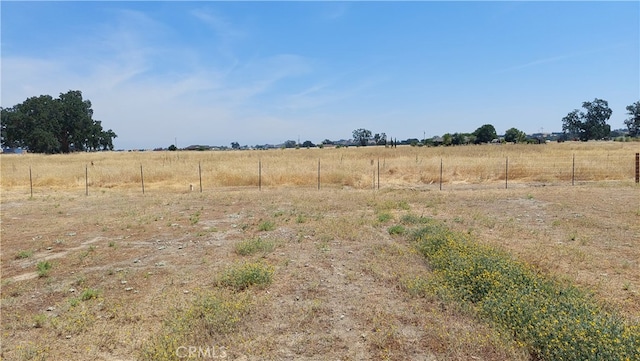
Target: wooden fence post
<point>573,170</point>
<point>142,178</point>
<point>30,182</point>
<point>440,173</point>
<point>86,180</point>
<point>637,168</point>
<point>200,175</point>
<point>506,174</point>
<point>378,173</point>
<point>259,174</point>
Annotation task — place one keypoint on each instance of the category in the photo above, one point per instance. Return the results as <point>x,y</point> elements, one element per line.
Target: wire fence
<point>319,171</point>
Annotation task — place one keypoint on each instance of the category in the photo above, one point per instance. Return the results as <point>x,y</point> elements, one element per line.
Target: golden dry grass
<point>340,280</point>
<point>551,163</point>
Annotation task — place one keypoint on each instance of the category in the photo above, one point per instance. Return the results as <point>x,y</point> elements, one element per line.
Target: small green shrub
<point>194,218</point>
<point>24,254</point>
<point>384,217</point>
<point>39,320</point>
<point>254,245</point>
<point>43,268</point>
<point>397,229</point>
<point>412,219</point>
<point>404,205</point>
<point>266,226</point>
<point>242,276</point>
<point>88,294</point>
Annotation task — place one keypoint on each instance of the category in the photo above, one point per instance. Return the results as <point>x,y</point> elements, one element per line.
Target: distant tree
<point>235,145</point>
<point>47,125</point>
<point>485,134</point>
<point>514,135</point>
<point>633,123</point>
<point>572,125</point>
<point>412,141</point>
<point>327,142</point>
<point>308,144</point>
<point>362,136</point>
<point>591,124</point>
<point>172,148</point>
<point>447,139</point>
<point>462,138</point>
<point>380,138</point>
<point>290,144</point>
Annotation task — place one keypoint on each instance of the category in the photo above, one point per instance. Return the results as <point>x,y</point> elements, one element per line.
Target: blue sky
<point>265,72</point>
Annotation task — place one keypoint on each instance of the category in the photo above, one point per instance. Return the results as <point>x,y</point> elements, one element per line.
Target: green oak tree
<point>362,136</point>
<point>591,124</point>
<point>485,134</point>
<point>633,122</point>
<point>513,135</point>
<point>46,125</point>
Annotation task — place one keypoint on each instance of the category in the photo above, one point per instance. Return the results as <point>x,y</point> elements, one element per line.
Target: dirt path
<point>48,255</point>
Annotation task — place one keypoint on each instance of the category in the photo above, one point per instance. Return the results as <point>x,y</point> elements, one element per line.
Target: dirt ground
<point>337,288</point>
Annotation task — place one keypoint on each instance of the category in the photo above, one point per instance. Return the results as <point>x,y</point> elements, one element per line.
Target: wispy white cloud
<point>533,63</point>
<point>559,58</point>
<point>329,92</point>
<point>335,10</point>
<point>223,27</point>
<point>146,105</point>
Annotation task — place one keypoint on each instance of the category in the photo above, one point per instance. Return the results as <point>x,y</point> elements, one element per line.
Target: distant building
<point>13,150</point>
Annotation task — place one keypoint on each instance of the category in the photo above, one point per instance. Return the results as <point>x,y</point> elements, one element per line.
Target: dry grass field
<point>291,272</point>
<point>359,168</point>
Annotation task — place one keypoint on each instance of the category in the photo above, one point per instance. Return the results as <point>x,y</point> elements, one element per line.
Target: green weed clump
<point>89,293</point>
<point>412,219</point>
<point>43,268</point>
<point>384,217</point>
<point>254,245</point>
<point>553,320</point>
<point>244,275</point>
<point>266,226</point>
<point>397,229</point>
<point>24,254</point>
<point>204,322</point>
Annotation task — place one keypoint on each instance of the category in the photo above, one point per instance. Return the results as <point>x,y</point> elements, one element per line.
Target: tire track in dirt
<point>48,255</point>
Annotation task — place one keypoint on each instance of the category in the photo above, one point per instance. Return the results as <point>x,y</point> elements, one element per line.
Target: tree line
<point>45,124</point>
<point>589,124</point>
